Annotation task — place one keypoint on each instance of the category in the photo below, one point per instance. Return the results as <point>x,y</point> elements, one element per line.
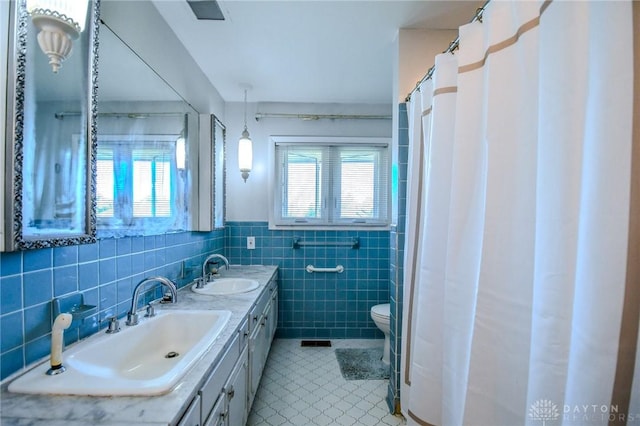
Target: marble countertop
<point>54,410</point>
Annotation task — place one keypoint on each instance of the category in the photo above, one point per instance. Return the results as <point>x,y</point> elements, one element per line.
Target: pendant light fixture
<point>245,151</point>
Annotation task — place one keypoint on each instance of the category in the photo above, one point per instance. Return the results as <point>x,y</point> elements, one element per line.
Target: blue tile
<point>160,257</point>
<point>137,244</point>
<point>37,321</point>
<point>11,362</point>
<point>10,263</point>
<point>88,275</point>
<point>149,243</point>
<point>37,287</point>
<point>11,330</point>
<point>108,296</point>
<point>160,241</point>
<point>65,280</point>
<point>123,266</point>
<point>107,248</point>
<point>123,246</point>
<point>10,294</point>
<point>88,252</point>
<point>107,271</point>
<point>63,256</point>
<point>149,260</point>
<point>137,263</point>
<point>124,290</point>
<point>37,349</point>
<point>35,260</point>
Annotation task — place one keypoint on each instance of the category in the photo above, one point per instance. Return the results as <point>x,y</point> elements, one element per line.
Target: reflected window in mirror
<point>147,138</point>
<point>140,183</point>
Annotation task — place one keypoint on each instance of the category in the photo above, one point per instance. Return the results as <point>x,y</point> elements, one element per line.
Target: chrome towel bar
<point>339,269</point>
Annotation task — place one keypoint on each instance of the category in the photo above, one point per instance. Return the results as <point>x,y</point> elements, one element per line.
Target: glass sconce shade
<point>59,23</point>
<point>245,154</point>
<point>181,153</point>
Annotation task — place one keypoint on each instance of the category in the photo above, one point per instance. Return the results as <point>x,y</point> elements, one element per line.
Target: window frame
<point>275,198</point>
<point>120,212</point>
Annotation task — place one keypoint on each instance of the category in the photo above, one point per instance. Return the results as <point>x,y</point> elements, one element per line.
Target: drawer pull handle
<point>231,392</point>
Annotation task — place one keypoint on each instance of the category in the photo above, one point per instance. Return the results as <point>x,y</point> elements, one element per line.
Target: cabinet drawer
<point>258,308</point>
<point>218,415</point>
<point>211,389</point>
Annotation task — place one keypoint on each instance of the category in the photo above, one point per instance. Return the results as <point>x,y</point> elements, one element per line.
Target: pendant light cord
<point>245,109</point>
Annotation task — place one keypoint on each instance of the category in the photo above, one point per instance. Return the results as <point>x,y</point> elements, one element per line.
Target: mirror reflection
<point>146,140</point>
<point>50,188</point>
<point>219,173</point>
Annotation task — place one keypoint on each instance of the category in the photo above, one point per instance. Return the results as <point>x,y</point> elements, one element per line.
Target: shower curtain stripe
<point>415,177</point>
<point>524,28</point>
<point>444,90</point>
<point>628,362</point>
<point>523,275</point>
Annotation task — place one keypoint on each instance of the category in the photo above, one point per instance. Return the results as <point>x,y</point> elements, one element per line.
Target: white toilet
<point>380,315</point>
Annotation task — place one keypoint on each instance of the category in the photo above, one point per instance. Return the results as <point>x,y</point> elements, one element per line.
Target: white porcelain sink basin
<point>146,359</point>
<point>226,286</point>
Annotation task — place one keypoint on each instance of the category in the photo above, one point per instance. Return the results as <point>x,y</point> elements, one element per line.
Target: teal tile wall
<point>105,273</point>
<point>397,238</point>
<point>319,305</point>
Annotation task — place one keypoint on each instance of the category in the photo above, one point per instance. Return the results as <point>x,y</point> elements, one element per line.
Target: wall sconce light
<point>245,151</point>
<point>59,23</point>
<point>181,152</point>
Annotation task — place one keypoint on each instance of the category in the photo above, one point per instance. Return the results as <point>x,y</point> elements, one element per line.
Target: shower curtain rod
<point>63,114</point>
<point>452,47</point>
<point>313,117</point>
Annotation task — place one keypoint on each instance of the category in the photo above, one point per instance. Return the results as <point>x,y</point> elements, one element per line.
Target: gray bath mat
<point>362,364</point>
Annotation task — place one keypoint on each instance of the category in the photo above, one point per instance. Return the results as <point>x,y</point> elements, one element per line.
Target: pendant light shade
<point>245,154</point>
<point>245,148</point>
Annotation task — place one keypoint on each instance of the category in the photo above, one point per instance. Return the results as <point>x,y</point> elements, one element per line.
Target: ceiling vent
<point>208,10</point>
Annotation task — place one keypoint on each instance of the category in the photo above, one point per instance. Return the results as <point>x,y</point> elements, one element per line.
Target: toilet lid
<point>383,310</point>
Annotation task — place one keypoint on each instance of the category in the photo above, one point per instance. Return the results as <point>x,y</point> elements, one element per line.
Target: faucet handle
<point>151,312</point>
<point>132,319</point>
<point>114,325</point>
<point>200,282</point>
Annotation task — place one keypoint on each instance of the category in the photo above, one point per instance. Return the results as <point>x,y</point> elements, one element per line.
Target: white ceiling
<point>316,51</point>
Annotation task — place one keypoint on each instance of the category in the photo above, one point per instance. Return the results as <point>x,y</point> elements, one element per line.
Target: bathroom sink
<point>226,286</point>
<point>146,359</point>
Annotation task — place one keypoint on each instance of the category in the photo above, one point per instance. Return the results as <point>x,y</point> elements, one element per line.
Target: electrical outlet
<point>251,243</point>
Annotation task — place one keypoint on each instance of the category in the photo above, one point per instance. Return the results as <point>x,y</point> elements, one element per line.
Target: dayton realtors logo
<point>544,410</point>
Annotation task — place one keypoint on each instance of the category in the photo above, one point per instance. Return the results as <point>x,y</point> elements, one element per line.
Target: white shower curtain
<point>521,298</point>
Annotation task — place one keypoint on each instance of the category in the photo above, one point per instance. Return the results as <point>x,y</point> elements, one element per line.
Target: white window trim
<point>337,140</point>
<point>139,222</point>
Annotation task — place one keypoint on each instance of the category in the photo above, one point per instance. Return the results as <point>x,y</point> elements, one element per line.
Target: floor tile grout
<point>303,386</point>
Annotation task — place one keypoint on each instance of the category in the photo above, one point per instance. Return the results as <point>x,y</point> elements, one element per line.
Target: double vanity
<point>197,362</point>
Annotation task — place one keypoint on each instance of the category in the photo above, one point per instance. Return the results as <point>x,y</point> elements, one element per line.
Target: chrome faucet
<point>132,316</point>
<point>210,257</point>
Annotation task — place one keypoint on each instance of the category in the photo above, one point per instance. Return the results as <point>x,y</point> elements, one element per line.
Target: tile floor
<point>303,386</point>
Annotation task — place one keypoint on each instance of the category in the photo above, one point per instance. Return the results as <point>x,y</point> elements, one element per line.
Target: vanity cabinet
<point>192,415</point>
<point>263,321</point>
<point>226,395</point>
<point>236,392</point>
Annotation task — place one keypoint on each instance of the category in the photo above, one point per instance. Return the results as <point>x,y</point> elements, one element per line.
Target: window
<point>136,183</point>
<point>331,182</point>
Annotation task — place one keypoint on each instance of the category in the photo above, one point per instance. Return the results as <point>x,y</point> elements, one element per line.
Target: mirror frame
<point>14,236</point>
<point>218,173</point>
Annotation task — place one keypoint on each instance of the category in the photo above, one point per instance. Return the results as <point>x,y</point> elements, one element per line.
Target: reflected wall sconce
<point>59,23</point>
<point>245,150</point>
<point>181,152</point>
